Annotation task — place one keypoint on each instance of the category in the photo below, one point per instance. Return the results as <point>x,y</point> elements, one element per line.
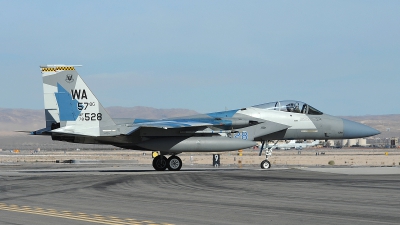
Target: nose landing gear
<point>265,164</point>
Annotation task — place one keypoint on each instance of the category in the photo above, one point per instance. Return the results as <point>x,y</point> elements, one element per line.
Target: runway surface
<point>78,194</point>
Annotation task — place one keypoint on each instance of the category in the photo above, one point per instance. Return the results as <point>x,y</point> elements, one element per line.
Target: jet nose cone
<point>357,130</point>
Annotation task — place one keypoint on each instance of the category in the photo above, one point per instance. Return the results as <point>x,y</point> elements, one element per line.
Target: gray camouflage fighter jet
<point>73,114</point>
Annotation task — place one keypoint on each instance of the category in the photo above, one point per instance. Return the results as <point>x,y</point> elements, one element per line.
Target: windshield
<point>290,106</point>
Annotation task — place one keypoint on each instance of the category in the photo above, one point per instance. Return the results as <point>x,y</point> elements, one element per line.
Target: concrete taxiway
<point>90,194</point>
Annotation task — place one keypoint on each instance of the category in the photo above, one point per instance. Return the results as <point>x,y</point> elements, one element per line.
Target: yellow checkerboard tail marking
<point>57,68</point>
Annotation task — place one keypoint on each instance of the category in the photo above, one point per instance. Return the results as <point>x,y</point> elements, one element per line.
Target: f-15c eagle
<point>74,114</point>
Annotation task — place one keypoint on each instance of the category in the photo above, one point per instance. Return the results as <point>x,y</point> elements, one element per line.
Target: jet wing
<point>250,132</point>
<point>167,124</point>
<point>130,129</point>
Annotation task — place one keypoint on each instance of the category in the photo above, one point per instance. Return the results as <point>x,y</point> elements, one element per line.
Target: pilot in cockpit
<point>304,109</point>
<point>293,107</point>
<point>296,108</point>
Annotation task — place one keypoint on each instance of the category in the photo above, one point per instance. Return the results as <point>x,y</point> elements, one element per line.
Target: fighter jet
<point>73,114</point>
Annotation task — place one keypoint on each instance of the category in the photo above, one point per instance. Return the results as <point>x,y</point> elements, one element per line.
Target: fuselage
<point>256,123</point>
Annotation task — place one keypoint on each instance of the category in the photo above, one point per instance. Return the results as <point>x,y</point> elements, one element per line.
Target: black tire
<point>265,164</point>
<point>160,163</point>
<point>174,163</point>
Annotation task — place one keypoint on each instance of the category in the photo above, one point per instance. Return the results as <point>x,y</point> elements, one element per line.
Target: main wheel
<point>265,164</point>
<point>174,163</point>
<point>160,163</point>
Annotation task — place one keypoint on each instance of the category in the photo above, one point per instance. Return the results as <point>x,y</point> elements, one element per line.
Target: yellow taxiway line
<point>93,218</point>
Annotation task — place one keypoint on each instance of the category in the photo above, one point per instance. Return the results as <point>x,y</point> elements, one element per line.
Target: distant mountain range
<point>29,119</point>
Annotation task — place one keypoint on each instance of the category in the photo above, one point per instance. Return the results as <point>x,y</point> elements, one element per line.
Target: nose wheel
<point>161,163</point>
<point>265,164</point>
<point>268,152</point>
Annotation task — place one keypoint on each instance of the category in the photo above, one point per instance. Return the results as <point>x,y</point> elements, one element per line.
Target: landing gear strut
<point>161,163</point>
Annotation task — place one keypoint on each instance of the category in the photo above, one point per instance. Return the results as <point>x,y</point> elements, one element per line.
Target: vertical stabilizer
<point>70,105</point>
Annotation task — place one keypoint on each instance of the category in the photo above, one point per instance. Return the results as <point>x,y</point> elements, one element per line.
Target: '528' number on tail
<point>90,117</point>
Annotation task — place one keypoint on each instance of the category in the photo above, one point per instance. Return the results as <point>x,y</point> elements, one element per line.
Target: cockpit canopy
<point>290,106</point>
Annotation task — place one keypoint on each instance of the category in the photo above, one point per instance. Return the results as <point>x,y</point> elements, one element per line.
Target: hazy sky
<point>342,57</point>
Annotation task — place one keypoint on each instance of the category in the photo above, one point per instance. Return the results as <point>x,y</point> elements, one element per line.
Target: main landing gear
<point>173,163</point>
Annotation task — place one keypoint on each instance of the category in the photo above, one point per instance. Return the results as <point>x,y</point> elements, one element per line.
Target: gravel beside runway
<point>195,196</point>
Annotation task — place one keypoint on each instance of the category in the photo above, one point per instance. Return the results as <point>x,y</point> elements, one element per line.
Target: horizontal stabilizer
<point>43,131</point>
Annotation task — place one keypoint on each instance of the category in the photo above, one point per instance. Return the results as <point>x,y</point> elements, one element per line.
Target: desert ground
<point>310,157</point>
